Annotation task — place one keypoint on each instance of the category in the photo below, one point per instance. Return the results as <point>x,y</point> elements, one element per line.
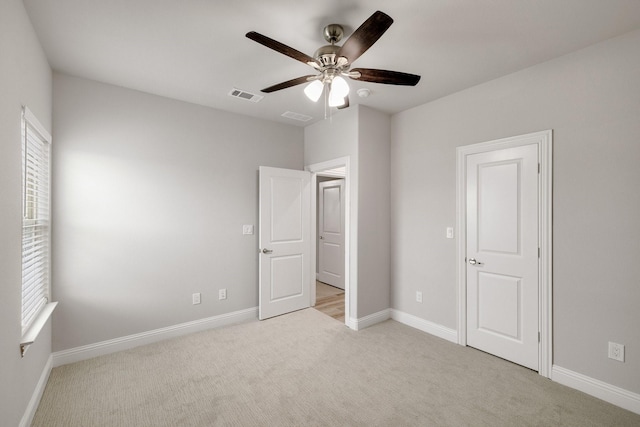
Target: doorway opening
<point>330,301</point>
<point>332,170</point>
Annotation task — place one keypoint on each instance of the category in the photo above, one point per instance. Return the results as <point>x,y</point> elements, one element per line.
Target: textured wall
<point>374,254</point>
<point>362,134</point>
<point>149,201</point>
<point>328,140</point>
<point>591,100</point>
<point>25,79</point>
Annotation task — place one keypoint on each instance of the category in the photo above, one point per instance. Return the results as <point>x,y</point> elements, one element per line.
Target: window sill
<point>34,330</point>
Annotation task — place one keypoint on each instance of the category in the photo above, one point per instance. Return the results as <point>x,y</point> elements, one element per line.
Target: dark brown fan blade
<point>282,48</point>
<point>346,103</point>
<point>365,36</point>
<point>386,77</point>
<point>288,83</point>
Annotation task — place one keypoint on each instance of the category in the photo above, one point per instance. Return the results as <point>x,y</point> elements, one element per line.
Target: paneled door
<point>284,241</point>
<point>502,253</point>
<point>331,232</point>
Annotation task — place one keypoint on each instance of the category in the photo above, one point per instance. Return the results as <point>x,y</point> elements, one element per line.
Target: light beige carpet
<point>306,369</point>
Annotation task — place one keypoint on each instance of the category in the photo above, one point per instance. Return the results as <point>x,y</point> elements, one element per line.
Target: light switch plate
<point>449,232</point>
<point>247,229</point>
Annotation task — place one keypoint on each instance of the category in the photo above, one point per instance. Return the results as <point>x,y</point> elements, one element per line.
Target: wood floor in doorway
<point>330,301</point>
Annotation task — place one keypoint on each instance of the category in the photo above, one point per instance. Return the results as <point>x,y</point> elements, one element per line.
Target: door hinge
<point>538,167</point>
<point>538,336</point>
<point>538,252</point>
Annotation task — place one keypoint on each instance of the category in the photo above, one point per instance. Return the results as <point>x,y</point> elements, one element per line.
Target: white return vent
<point>245,95</point>
<point>296,116</point>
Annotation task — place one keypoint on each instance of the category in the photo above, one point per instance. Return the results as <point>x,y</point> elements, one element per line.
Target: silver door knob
<point>473,261</point>
<point>267,251</point>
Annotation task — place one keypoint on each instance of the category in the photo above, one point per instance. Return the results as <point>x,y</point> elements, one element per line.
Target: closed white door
<point>331,232</point>
<point>285,241</point>
<point>502,253</point>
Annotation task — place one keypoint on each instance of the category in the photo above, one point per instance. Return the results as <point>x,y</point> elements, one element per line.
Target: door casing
<point>350,284</point>
<point>544,142</point>
<point>329,237</point>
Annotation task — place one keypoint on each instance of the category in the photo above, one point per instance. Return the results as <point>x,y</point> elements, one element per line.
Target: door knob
<point>473,261</point>
<point>267,251</point>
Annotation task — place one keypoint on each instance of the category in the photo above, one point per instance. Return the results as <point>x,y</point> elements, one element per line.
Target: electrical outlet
<point>196,298</point>
<point>616,351</point>
<point>418,296</point>
<point>222,294</point>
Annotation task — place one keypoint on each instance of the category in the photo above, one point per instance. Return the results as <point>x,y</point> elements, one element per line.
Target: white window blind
<point>36,143</point>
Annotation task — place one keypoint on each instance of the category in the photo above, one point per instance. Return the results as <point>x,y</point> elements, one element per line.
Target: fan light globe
<point>336,101</point>
<point>340,87</point>
<point>314,90</point>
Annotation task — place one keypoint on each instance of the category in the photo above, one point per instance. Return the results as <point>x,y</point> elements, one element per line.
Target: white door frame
<point>544,141</point>
<point>349,290</point>
<point>339,183</point>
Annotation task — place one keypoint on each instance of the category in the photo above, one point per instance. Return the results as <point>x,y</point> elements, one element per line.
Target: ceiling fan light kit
<point>314,90</point>
<point>333,62</point>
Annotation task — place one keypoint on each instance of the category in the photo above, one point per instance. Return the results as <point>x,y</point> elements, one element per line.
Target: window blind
<point>36,143</point>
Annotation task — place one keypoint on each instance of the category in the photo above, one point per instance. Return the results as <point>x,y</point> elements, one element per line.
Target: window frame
<point>35,306</point>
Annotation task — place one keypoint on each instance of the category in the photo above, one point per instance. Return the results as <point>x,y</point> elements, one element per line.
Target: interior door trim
<point>350,264</point>
<point>544,141</point>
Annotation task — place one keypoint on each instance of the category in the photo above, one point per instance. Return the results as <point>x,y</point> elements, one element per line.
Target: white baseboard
<point>370,320</point>
<point>84,352</point>
<point>30,412</point>
<point>425,326</point>
<point>604,391</point>
<point>607,392</point>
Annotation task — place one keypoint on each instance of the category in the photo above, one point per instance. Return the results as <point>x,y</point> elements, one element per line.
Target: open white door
<point>285,241</point>
<point>331,232</point>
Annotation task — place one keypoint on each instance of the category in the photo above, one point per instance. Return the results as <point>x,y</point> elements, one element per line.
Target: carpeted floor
<point>306,369</point>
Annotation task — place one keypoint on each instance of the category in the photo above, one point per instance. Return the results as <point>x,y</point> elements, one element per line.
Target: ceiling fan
<point>333,62</point>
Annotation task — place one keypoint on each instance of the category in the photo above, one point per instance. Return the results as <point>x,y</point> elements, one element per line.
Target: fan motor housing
<point>327,55</point>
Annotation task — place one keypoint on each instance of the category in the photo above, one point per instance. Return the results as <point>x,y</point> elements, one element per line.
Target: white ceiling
<point>196,50</point>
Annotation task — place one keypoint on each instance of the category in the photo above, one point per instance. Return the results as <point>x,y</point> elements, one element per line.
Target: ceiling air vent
<point>245,95</point>
<point>296,116</point>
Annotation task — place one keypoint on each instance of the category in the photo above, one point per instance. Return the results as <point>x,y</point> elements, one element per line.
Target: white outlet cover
<point>247,229</point>
<point>616,351</point>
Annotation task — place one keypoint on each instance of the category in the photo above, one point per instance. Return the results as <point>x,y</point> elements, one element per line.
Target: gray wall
<point>150,198</point>
<point>591,100</point>
<point>362,134</point>
<point>327,140</point>
<point>374,222</point>
<point>25,79</point>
